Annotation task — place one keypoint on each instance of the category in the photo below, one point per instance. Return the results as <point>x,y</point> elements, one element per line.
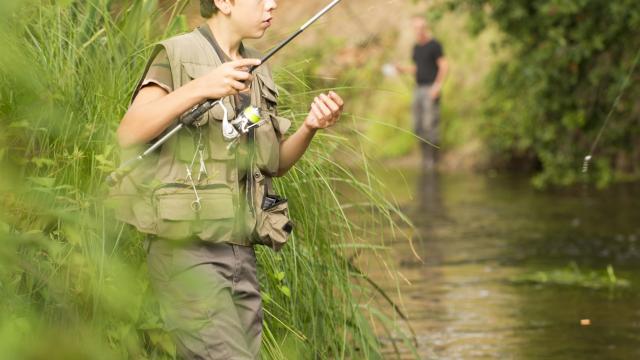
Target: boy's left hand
<point>325,111</point>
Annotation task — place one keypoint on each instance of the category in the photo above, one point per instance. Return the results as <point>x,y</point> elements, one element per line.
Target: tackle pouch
<point>273,225</point>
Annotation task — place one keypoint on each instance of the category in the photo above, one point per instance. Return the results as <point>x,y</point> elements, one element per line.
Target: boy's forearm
<point>292,148</point>
<point>145,121</point>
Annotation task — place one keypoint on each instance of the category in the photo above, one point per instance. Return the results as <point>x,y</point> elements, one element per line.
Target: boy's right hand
<point>227,79</point>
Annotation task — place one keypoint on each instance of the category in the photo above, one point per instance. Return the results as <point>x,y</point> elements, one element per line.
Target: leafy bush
<point>73,282</point>
<point>567,63</point>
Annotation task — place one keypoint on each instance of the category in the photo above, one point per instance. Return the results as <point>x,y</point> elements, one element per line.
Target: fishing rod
<point>625,82</point>
<point>197,111</point>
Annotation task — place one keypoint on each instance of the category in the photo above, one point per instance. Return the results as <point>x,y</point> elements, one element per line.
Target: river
<point>478,235</point>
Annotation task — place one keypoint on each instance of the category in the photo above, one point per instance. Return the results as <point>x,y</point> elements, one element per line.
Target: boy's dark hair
<point>207,8</point>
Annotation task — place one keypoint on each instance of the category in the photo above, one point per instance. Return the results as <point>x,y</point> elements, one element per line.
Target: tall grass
<point>73,281</point>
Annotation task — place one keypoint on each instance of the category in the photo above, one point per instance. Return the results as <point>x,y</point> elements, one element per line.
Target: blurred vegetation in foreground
<point>73,282</point>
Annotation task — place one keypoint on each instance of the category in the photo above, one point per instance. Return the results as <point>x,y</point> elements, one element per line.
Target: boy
<point>207,286</point>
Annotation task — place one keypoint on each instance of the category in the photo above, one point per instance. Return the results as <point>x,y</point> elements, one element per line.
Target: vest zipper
<point>186,186</point>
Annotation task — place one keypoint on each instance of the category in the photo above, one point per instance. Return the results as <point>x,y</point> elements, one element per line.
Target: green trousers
<point>209,297</point>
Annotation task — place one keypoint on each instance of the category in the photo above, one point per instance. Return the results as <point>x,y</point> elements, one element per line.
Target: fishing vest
<point>197,163</point>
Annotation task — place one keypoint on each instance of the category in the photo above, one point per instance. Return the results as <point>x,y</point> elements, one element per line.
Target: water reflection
<point>428,195</point>
<point>475,233</point>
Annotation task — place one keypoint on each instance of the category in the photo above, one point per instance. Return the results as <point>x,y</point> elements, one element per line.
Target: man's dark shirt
<point>426,59</point>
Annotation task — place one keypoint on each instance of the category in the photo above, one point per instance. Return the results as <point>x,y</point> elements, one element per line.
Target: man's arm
<point>443,69</point>
<point>406,69</point>
<point>325,111</point>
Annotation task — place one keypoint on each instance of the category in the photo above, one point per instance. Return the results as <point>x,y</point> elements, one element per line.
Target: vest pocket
<point>267,146</point>
<point>129,198</point>
<point>281,125</point>
<point>269,90</point>
<point>217,145</point>
<point>272,223</point>
<point>267,143</point>
<point>134,210</point>
<point>179,216</point>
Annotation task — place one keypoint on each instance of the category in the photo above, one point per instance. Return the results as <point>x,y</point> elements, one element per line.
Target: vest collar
<point>206,32</point>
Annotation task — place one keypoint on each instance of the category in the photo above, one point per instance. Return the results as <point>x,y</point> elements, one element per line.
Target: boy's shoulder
<point>186,42</point>
<point>183,39</point>
<point>194,35</point>
<point>190,47</point>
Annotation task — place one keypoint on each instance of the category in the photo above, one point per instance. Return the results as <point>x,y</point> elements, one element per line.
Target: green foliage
<point>73,282</point>
<point>389,124</point>
<point>376,106</point>
<point>568,60</point>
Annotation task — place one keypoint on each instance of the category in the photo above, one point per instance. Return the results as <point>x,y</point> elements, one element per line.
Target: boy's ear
<point>224,6</point>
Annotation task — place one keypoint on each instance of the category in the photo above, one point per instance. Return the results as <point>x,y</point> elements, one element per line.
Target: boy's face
<point>252,17</point>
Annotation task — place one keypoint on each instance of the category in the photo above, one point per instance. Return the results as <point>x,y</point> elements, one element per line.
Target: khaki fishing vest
<point>158,197</point>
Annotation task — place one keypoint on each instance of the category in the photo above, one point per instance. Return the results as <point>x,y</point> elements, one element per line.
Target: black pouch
<point>273,225</point>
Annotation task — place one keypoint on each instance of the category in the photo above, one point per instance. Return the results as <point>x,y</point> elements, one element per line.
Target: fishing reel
<point>248,119</point>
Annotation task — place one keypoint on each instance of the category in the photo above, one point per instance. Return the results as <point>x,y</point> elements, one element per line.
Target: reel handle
<point>197,111</point>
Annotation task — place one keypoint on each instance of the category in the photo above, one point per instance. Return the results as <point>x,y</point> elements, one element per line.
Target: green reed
<point>73,280</point>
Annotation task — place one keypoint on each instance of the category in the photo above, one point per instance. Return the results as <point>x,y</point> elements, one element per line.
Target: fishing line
<point>587,159</point>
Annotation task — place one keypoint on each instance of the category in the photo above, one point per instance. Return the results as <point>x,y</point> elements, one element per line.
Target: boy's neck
<point>228,40</point>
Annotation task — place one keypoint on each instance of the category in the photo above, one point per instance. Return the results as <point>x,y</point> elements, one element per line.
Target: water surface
<point>476,233</point>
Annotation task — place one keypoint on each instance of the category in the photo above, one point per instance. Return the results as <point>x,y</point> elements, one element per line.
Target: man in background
<point>430,69</point>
